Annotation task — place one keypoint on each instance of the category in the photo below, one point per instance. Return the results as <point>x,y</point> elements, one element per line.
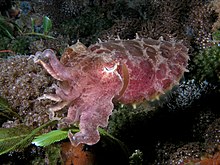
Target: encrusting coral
<point>22,82</point>
<point>126,71</point>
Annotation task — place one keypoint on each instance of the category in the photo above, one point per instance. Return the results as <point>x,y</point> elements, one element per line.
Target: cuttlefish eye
<point>110,69</point>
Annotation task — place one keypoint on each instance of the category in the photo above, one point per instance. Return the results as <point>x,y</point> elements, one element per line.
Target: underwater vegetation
<point>207,64</point>
<point>148,109</point>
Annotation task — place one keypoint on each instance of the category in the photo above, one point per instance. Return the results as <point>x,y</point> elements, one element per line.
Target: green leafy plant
<point>47,26</point>
<point>58,135</point>
<point>51,137</point>
<point>11,139</point>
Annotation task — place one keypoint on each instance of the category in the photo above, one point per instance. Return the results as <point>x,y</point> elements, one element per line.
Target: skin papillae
<point>126,71</point>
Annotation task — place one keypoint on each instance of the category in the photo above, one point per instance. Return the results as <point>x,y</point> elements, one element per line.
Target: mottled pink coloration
<point>128,71</point>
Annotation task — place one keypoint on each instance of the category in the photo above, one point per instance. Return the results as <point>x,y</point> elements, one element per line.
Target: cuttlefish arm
<point>54,67</point>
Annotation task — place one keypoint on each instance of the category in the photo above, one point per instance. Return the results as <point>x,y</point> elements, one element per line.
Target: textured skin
<point>128,71</point>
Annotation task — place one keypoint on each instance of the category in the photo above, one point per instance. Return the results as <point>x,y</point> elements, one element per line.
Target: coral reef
<point>22,82</point>
<point>89,20</point>
<point>87,26</point>
<point>199,24</point>
<point>125,29</point>
<point>191,20</point>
